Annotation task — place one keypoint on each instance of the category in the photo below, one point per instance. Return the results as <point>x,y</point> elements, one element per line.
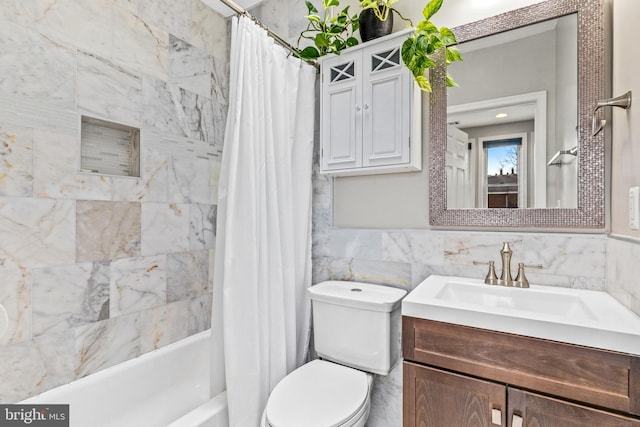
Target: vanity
<point>483,355</point>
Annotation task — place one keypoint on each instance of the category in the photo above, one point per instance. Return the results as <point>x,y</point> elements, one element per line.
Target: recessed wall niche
<point>109,148</point>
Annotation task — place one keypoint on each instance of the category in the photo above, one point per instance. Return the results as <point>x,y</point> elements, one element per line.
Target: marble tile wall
<point>95,270</point>
<point>622,271</point>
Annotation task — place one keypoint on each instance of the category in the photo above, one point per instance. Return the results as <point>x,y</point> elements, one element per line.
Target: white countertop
<point>576,316</point>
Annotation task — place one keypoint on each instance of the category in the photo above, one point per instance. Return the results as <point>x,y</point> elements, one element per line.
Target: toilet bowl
<point>356,329</point>
<point>320,394</point>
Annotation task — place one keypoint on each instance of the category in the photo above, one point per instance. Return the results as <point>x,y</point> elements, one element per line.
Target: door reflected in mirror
<point>515,108</point>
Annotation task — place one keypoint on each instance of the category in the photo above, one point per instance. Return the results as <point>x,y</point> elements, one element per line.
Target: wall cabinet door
<point>342,112</point>
<point>387,87</point>
<point>435,398</point>
<point>532,410</point>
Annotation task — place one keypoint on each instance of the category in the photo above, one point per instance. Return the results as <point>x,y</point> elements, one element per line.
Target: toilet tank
<point>357,324</point>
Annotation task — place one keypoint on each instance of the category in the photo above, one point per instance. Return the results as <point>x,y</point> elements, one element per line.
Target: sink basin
<point>576,316</point>
<point>514,300</point>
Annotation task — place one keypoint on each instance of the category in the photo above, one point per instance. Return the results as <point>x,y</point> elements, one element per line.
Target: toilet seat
<point>319,394</point>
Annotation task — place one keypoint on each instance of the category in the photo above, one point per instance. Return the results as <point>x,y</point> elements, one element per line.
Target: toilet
<point>356,330</point>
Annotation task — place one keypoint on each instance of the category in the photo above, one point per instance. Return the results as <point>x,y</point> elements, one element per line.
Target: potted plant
<point>329,34</point>
<point>425,43</point>
<point>376,18</point>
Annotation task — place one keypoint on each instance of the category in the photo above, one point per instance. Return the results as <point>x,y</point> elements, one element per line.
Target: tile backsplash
<point>98,269</point>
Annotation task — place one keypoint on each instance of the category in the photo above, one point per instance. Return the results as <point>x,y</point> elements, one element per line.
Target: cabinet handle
<point>358,108</point>
<point>496,417</point>
<point>366,107</point>
<point>516,421</point>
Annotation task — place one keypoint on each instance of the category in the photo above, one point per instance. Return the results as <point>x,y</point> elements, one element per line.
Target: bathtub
<point>167,387</point>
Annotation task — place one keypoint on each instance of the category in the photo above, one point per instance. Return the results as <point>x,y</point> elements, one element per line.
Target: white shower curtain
<point>260,324</point>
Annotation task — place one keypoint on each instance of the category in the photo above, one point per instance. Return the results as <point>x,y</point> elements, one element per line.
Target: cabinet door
<point>532,410</point>
<point>434,398</point>
<point>342,112</point>
<point>386,99</point>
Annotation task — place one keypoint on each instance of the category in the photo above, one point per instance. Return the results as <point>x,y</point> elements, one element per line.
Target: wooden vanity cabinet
<point>458,376</point>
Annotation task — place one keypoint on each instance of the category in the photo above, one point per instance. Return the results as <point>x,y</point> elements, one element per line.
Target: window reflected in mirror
<point>501,158</point>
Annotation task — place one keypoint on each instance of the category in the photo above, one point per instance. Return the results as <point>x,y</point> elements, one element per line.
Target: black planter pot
<point>371,27</point>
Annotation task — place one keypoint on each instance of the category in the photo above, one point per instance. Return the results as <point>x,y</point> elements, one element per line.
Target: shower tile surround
<point>95,270</point>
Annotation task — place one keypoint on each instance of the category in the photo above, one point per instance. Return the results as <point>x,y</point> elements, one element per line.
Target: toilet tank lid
<point>357,294</point>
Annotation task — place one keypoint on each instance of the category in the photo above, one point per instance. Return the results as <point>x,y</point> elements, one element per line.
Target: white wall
<point>623,253</point>
<point>625,159</point>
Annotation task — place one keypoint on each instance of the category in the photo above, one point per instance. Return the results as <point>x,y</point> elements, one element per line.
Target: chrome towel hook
<point>622,101</point>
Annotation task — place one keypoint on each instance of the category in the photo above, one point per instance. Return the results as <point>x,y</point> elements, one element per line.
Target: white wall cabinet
<point>370,111</point>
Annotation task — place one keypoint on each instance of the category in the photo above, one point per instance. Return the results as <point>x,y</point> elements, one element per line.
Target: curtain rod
<point>241,11</point>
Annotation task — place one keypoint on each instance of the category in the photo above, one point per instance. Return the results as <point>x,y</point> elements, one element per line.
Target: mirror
<point>510,147</point>
<point>516,107</point>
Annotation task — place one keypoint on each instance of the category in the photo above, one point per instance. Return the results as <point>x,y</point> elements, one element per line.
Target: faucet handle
<point>491,277</point>
<point>536,266</point>
<point>521,280</point>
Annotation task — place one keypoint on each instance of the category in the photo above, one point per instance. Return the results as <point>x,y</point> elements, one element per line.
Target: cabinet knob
<point>358,108</point>
<point>366,107</point>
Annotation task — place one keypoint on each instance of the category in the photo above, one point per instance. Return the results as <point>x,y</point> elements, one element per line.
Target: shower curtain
<point>261,313</point>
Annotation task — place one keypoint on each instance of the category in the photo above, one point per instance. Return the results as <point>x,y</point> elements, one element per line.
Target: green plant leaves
<point>310,7</point>
<point>314,18</point>
<point>355,23</point>
<point>329,34</point>
<point>309,53</point>
<point>427,27</point>
<point>423,83</point>
<point>427,40</point>
<point>332,34</point>
<point>450,81</point>
<point>368,4</point>
<point>453,54</point>
<point>322,40</point>
<point>351,41</point>
<point>431,9</point>
<point>424,62</point>
<point>408,50</point>
<point>447,37</point>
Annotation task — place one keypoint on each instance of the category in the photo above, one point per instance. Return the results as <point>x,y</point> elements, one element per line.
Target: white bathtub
<point>167,387</point>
